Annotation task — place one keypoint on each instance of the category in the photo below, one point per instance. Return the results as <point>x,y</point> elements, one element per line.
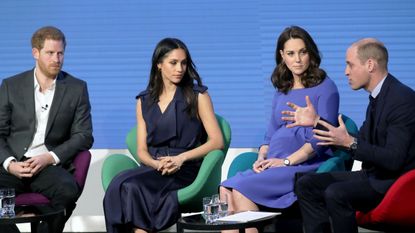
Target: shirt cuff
<point>55,157</point>
<point>6,162</point>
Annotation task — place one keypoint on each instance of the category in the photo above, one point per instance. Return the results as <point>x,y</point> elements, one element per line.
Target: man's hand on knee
<point>38,163</point>
<point>20,169</point>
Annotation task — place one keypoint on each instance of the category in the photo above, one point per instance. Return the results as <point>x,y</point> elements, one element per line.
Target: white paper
<point>247,216</point>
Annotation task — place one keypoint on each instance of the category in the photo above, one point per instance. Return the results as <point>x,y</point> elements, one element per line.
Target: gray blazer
<point>69,128</point>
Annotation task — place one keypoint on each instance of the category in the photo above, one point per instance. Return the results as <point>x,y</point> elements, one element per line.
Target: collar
<point>378,87</point>
<point>36,83</point>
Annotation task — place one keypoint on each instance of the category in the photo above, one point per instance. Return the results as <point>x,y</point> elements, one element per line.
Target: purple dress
<point>142,197</point>
<point>274,187</point>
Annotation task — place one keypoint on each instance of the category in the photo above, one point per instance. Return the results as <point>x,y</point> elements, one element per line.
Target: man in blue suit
<point>45,121</point>
<point>385,144</point>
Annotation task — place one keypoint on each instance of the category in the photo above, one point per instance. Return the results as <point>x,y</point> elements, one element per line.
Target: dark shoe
<point>9,229</point>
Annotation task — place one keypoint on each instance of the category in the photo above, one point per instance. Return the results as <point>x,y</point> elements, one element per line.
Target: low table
<point>197,222</point>
<point>32,215</point>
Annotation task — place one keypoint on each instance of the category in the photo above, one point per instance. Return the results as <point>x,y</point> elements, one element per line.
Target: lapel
<point>60,90</point>
<point>28,90</point>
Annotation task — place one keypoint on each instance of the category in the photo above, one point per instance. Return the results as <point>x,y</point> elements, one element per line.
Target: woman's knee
<point>238,197</point>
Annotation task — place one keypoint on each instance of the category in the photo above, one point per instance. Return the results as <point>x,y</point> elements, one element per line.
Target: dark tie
<point>371,121</point>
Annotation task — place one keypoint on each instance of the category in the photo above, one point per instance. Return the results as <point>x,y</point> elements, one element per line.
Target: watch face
<point>286,162</point>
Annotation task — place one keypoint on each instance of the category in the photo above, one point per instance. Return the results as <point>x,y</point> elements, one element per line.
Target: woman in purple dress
<point>286,151</point>
<point>174,117</point>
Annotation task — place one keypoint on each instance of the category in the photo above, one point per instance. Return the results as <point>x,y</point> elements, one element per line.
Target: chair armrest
<point>113,165</point>
<point>206,182</point>
<point>332,164</point>
<point>81,163</point>
<point>242,162</point>
<point>395,208</point>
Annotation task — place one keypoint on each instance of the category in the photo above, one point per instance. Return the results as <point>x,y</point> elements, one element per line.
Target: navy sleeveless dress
<point>143,197</point>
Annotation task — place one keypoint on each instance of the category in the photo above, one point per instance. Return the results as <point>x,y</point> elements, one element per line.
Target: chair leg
<point>34,226</point>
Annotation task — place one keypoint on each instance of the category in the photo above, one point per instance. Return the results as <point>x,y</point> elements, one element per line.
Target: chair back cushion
<point>396,211</point>
<point>242,162</point>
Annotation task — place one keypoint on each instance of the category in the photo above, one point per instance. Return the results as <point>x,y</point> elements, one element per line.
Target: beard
<point>51,70</point>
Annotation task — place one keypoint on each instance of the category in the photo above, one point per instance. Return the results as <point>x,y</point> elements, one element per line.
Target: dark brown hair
<point>282,78</point>
<point>155,85</point>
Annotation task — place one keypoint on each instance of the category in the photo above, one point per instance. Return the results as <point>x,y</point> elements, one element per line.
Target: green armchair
<point>190,197</point>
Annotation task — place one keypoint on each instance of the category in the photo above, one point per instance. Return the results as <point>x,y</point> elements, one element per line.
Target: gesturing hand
<point>333,136</point>
<point>302,116</point>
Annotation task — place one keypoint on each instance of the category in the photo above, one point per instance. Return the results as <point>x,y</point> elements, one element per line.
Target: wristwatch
<point>353,146</point>
<point>287,162</point>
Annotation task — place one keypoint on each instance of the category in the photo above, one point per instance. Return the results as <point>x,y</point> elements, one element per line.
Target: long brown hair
<point>155,85</point>
<point>282,78</point>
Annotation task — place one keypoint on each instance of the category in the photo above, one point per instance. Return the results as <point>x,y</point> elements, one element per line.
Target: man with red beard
<point>45,121</point>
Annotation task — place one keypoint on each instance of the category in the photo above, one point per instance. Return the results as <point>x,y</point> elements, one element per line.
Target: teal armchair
<point>290,219</point>
<point>190,197</point>
<point>340,161</point>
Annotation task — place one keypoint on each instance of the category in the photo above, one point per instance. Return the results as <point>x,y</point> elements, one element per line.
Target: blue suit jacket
<point>392,151</point>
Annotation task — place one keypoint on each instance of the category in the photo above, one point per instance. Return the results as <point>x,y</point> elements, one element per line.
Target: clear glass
<point>223,207</point>
<point>7,202</point>
<point>214,212</point>
<point>206,208</point>
<point>211,208</point>
<point>215,198</point>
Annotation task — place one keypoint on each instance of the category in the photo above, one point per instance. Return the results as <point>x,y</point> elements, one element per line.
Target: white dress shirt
<point>43,103</point>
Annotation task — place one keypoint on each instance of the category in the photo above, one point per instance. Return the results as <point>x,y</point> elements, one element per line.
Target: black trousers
<point>328,201</point>
<point>55,183</point>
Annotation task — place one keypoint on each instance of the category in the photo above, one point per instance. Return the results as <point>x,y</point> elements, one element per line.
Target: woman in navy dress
<point>286,151</point>
<point>174,117</point>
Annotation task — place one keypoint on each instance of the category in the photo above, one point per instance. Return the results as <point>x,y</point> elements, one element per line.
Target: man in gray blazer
<point>45,121</point>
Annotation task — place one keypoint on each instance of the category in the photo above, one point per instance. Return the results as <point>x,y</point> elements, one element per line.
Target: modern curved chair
<point>340,161</point>
<point>190,197</point>
<point>396,211</point>
<point>81,163</point>
<point>290,218</point>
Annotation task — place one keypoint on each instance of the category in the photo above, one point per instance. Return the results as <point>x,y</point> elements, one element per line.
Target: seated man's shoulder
<point>20,76</point>
<point>70,79</point>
